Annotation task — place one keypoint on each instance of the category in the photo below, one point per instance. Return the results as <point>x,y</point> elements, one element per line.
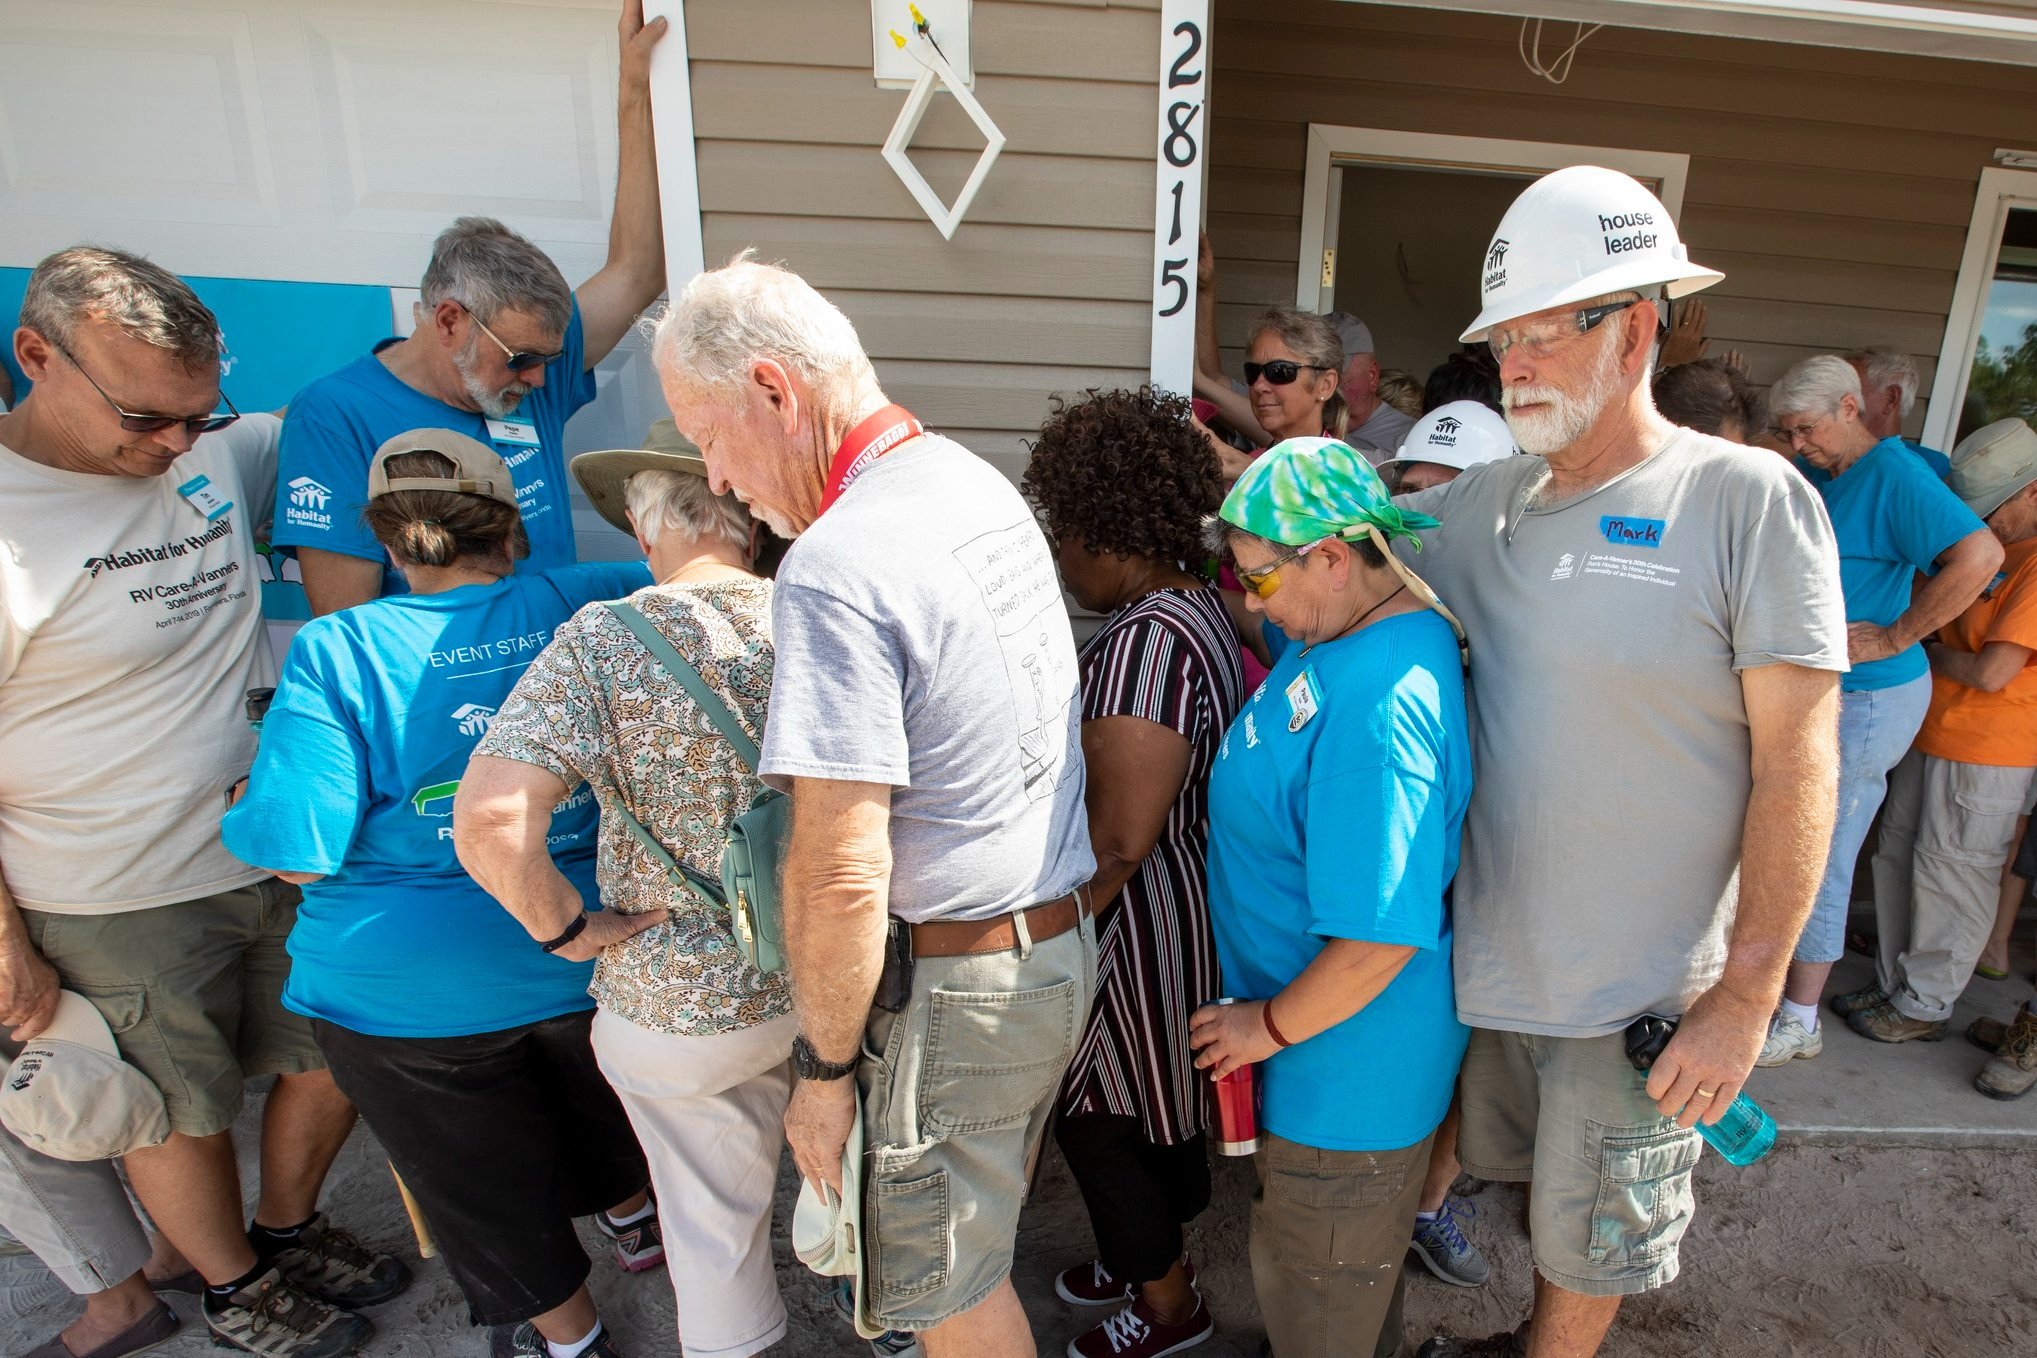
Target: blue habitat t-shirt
<point>377,711</point>
<point>1335,809</point>
<point>1892,517</point>
<point>1940,465</point>
<point>334,426</point>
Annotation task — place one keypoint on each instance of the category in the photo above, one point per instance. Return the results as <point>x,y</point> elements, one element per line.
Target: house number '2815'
<point>1181,155</point>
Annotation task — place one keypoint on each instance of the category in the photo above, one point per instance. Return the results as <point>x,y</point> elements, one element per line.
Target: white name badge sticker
<point>520,432</point>
<point>204,498</point>
<point>1304,699</point>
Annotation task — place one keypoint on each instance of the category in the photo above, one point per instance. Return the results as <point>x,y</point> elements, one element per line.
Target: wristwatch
<point>807,1065</point>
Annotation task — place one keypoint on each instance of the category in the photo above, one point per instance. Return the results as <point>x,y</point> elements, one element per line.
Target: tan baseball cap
<point>601,474</point>
<point>478,470</point>
<point>70,1096</point>
<point>1993,463</point>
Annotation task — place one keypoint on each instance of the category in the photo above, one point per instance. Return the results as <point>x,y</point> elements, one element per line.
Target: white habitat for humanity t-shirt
<point>130,632</point>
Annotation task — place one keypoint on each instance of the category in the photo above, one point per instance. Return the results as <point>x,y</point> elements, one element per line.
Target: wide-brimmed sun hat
<point>1992,464</point>
<point>827,1231</point>
<point>601,474</point>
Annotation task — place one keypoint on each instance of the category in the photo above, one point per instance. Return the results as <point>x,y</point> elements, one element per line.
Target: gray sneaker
<point>890,1344</point>
<point>276,1319</point>
<point>1441,1244</point>
<point>1788,1039</point>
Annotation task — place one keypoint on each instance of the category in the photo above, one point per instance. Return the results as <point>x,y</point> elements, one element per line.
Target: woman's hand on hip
<point>1226,1036</point>
<point>607,927</point>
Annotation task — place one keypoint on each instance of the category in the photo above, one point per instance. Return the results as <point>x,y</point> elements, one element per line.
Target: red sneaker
<point>1136,1332</point>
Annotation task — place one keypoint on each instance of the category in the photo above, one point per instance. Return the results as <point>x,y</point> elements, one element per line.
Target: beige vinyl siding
<point>1046,287</point>
<point>1832,187</point>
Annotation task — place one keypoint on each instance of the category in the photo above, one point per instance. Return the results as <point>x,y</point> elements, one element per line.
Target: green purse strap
<point>675,664</point>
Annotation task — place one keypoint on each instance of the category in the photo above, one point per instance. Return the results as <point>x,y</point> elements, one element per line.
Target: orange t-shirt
<point>1990,728</point>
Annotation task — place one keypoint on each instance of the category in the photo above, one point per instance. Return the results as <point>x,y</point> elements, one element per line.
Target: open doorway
<point>1409,241</point>
<point>1394,224</point>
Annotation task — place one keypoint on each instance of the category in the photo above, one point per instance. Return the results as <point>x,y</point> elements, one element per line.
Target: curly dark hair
<point>1127,473</point>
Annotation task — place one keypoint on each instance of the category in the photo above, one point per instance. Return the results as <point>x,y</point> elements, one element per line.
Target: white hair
<point>728,318</point>
<point>1884,367</point>
<point>682,502</point>
<point>1815,386</point>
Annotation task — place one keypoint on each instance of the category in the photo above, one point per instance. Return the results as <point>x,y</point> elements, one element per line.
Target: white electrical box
<point>947,23</point>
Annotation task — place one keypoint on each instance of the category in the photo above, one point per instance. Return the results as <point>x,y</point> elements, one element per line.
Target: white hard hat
<point>1461,434</point>
<point>1579,233</point>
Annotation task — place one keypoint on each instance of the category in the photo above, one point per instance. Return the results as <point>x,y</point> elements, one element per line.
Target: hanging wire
<point>1555,71</point>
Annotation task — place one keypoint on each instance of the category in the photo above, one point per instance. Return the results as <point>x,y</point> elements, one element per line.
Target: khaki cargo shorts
<point>192,991</point>
<point>957,1089</point>
<point>1612,1175</point>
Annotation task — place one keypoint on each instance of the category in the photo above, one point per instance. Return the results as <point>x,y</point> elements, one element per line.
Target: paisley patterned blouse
<point>596,707</point>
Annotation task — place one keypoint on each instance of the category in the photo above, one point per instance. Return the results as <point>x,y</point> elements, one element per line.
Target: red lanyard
<point>867,442</point>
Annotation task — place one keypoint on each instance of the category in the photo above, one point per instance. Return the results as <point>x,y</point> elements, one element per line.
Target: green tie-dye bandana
<point>1304,490</point>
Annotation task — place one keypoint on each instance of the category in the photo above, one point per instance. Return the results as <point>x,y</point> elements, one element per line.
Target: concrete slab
<point>1859,1092</point>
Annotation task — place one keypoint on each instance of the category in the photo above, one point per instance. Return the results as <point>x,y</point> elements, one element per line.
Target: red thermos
<point>1237,1100</point>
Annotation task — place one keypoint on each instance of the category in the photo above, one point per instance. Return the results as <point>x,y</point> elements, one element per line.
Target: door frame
<point>1330,148</point>
<point>1999,192</point>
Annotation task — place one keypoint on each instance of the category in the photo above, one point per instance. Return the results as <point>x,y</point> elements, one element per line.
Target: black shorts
<point>503,1138</point>
<point>2026,854</point>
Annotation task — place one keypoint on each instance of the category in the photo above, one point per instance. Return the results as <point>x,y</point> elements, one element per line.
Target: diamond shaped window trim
<point>939,75</point>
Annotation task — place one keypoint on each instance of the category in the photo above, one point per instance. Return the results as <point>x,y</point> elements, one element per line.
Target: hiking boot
<point>1138,1332</point>
<point>2011,1071</point>
<point>1987,1033</point>
<point>277,1319</point>
<point>1885,1023</point>
<point>1090,1284</point>
<point>1788,1039</point>
<point>1853,1001</point>
<point>890,1344</point>
<point>333,1266</point>
<point>1440,1244</point>
<point>1512,1344</point>
<point>638,1246</point>
<point>522,1340</point>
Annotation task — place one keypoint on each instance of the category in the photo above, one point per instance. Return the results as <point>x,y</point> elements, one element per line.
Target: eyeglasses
<point>135,423</point>
<point>1264,581</point>
<point>517,359</point>
<point>1280,372</point>
<point>1790,433</point>
<point>1542,338</point>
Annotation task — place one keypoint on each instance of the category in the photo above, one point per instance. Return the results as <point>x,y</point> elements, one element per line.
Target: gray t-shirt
<point>1600,871</point>
<point>1383,429</point>
<point>922,642</point>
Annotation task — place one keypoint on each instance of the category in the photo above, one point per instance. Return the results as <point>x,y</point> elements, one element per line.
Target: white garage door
<point>291,142</point>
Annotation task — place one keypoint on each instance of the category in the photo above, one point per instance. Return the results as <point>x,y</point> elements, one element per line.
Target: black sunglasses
<point>517,360</point>
<point>135,423</point>
<point>1279,372</point>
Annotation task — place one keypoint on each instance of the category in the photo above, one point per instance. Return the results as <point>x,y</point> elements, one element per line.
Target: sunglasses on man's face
<point>517,360</point>
<point>1280,372</point>
<point>136,423</point>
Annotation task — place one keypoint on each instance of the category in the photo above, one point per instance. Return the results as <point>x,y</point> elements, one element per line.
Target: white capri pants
<point>710,1115</point>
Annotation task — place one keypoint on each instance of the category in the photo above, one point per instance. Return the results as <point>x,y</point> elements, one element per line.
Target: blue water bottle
<point>1744,1134</point>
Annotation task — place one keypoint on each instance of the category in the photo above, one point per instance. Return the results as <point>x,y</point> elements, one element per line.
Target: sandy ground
<point>1860,1252</point>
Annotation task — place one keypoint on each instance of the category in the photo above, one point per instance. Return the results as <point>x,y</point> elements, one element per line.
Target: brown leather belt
<point>959,938</point>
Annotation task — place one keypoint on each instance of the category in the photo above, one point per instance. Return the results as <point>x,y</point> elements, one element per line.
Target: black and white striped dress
<point>1171,658</point>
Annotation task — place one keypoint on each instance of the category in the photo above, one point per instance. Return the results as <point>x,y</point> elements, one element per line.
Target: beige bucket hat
<point>1993,463</point>
<point>601,474</point>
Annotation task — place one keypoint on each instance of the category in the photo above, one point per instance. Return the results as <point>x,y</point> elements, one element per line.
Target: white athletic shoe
<point>1788,1039</point>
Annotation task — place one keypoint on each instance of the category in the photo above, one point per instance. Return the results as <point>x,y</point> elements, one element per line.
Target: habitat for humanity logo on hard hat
<point>1578,234</point>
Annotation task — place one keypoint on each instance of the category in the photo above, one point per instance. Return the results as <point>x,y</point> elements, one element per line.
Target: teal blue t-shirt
<point>1343,822</point>
<point>1940,465</point>
<point>374,718</point>
<point>334,426</point>
<point>1893,517</point>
